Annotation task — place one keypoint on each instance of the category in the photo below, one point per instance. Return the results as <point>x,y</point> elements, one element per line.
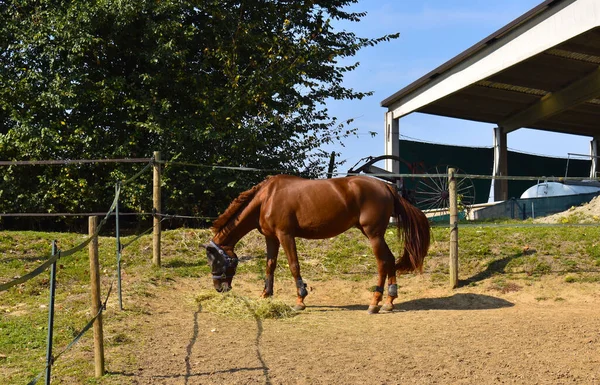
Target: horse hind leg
<point>289,246</point>
<point>385,268</point>
<point>392,294</point>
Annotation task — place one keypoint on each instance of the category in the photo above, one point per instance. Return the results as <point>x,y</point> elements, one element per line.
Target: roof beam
<point>578,92</point>
<point>559,22</point>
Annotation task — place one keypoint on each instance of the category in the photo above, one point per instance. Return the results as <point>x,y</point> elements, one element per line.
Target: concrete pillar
<point>594,157</point>
<point>392,142</point>
<point>500,164</point>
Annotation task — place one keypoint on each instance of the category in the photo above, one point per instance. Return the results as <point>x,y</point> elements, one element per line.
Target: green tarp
<point>423,157</point>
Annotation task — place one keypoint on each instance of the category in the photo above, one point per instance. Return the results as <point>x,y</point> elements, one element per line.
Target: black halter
<point>228,262</point>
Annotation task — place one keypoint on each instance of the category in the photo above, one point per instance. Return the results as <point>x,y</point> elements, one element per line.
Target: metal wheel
<point>432,194</point>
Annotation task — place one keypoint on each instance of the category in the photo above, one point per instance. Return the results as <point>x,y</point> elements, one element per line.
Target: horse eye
<point>210,257</point>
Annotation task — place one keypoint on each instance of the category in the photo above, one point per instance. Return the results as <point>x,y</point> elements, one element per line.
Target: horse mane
<point>234,207</point>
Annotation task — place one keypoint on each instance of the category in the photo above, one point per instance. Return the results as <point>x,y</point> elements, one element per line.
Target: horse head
<point>223,266</point>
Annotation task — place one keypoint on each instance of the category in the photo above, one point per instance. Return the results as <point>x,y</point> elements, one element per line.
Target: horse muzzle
<point>221,286</point>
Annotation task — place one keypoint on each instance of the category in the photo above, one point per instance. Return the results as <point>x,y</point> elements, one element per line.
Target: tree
<point>214,82</point>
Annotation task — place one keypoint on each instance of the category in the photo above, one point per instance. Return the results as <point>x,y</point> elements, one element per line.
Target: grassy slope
<point>493,255</point>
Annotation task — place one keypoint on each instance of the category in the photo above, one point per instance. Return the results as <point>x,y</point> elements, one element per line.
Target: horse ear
<point>210,247</point>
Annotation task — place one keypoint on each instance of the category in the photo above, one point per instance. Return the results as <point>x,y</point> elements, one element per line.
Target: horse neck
<point>237,227</point>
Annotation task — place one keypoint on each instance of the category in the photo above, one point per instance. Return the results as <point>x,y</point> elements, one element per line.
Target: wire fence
<point>49,260</point>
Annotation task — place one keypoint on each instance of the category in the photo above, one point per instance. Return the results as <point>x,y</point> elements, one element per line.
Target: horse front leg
<point>272,252</point>
<point>289,246</point>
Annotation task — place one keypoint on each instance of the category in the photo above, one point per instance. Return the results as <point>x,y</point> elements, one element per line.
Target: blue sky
<point>431,33</point>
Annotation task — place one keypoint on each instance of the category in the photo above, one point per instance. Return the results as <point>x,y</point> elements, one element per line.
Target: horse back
<point>322,208</point>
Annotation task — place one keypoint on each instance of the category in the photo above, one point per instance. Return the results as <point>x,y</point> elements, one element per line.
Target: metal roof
<point>567,72</point>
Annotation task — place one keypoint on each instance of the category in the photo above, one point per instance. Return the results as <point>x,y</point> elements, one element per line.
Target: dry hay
<point>586,213</point>
<point>233,305</point>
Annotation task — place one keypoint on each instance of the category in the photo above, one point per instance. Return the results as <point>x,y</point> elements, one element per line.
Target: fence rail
<point>71,161</point>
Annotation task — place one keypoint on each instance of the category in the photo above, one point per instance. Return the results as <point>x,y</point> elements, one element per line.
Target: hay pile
<point>233,305</point>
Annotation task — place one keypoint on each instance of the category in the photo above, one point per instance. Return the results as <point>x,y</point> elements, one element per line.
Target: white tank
<point>553,189</point>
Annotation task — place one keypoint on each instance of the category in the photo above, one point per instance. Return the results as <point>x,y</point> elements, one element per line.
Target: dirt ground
<point>547,332</point>
<point>586,213</point>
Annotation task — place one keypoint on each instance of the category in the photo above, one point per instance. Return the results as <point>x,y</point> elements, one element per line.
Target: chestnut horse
<point>284,207</point>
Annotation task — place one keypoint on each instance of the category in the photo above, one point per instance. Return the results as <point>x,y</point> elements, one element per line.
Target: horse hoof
<point>387,307</point>
<point>373,309</point>
<point>299,307</point>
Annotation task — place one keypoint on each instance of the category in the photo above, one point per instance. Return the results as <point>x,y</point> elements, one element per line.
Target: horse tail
<point>413,228</point>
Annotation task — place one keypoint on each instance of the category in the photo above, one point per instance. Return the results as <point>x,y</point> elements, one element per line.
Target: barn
<point>541,71</point>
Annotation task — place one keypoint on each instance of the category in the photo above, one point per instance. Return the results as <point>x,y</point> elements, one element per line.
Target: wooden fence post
<point>453,228</point>
<point>96,301</point>
<point>331,165</point>
<point>157,209</point>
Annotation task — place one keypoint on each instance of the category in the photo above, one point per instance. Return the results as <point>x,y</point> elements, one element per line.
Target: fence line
<point>87,327</point>
<point>157,214</point>
<point>70,161</point>
<point>53,258</point>
<point>475,176</point>
<point>171,216</point>
<point>51,261</point>
<point>235,168</point>
<point>256,169</point>
<point>68,214</point>
<point>517,225</point>
<point>400,175</point>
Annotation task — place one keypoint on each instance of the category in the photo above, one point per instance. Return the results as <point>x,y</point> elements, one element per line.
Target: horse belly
<point>324,221</point>
<point>313,210</point>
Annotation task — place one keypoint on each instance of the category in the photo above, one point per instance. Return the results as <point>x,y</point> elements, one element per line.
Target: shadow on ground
<point>462,301</point>
<point>495,267</point>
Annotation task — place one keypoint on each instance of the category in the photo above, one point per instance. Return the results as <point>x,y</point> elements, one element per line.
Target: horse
<point>283,207</point>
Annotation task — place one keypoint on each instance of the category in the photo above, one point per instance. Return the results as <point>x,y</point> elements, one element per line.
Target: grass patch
<point>570,279</point>
<point>235,306</point>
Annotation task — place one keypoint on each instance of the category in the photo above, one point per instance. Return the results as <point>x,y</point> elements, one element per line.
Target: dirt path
<point>543,334</point>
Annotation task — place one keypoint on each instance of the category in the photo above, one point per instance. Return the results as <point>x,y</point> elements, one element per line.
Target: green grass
<point>504,258</point>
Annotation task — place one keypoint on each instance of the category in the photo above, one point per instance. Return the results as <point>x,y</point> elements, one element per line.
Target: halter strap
<point>229,262</point>
<point>219,250</point>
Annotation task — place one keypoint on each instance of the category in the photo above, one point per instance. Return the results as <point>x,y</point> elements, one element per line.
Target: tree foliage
<point>213,82</point>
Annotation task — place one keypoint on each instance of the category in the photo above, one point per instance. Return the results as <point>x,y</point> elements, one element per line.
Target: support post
<point>453,228</point>
<point>96,300</point>
<point>49,357</point>
<point>157,209</point>
<point>594,158</point>
<point>500,164</point>
<point>392,142</point>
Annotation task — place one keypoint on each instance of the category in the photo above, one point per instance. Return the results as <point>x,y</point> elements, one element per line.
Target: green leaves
<point>217,82</point>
